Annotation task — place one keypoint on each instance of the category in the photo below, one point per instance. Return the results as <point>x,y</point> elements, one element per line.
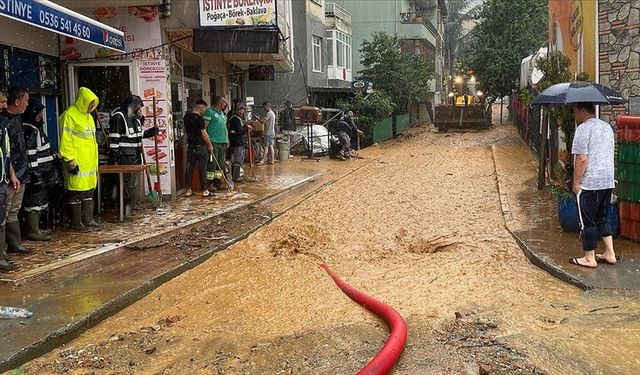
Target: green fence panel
<point>403,123</point>
<point>383,130</point>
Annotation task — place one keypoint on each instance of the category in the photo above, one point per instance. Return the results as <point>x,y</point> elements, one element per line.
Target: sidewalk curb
<point>535,259</point>
<point>113,306</point>
<point>552,269</point>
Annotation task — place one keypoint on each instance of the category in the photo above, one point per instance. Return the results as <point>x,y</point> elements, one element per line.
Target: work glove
<point>73,168</point>
<point>151,132</point>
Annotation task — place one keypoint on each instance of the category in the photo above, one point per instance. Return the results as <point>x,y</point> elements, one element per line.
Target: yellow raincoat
<point>78,142</point>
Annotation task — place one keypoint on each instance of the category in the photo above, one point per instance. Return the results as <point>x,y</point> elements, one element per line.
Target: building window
<point>330,49</point>
<point>317,53</point>
<point>340,43</point>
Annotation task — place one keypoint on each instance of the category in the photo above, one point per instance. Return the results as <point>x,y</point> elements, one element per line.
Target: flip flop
<point>577,263</point>
<point>602,260</point>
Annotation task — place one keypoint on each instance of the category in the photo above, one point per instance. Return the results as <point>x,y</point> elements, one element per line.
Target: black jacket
<point>18,147</point>
<point>42,168</point>
<point>237,132</point>
<point>125,138</point>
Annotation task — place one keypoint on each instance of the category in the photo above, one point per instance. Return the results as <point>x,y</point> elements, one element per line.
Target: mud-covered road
<point>420,227</point>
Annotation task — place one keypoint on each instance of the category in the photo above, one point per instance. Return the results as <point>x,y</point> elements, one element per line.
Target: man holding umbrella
<point>593,150</point>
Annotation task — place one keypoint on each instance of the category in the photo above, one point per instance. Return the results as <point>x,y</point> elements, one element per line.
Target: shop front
<point>186,88</point>
<point>142,70</point>
<point>29,53</point>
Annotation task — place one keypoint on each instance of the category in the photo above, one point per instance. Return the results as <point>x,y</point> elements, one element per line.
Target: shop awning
<point>58,19</point>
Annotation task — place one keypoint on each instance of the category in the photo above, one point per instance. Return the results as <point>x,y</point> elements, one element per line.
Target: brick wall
<point>619,23</point>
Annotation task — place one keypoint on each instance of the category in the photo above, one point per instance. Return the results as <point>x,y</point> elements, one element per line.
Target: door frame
<point>73,76</point>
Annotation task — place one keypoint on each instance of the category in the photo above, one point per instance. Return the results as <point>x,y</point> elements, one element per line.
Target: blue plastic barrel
<point>568,213</point>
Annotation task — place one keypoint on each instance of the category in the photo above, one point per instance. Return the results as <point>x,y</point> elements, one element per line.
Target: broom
<point>152,196</point>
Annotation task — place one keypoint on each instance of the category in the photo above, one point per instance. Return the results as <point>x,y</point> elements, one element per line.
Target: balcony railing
<point>335,10</point>
<point>416,18</point>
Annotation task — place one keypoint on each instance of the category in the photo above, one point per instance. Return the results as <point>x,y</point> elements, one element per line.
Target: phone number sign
<point>52,17</point>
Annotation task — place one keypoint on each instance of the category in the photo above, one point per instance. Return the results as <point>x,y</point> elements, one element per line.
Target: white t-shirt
<point>270,124</point>
<point>595,139</point>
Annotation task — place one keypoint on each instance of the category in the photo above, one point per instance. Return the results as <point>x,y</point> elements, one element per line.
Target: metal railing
<point>335,10</point>
<point>416,17</point>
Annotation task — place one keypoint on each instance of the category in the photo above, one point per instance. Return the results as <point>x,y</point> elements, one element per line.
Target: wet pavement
<point>419,226</point>
<point>75,281</point>
<point>539,234</point>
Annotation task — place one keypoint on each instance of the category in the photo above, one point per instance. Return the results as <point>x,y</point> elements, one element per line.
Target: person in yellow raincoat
<point>79,150</point>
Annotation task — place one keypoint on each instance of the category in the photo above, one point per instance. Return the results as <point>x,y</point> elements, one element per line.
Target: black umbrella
<point>578,92</point>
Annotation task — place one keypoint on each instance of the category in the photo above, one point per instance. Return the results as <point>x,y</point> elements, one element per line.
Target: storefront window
<point>110,83</point>
<point>191,66</point>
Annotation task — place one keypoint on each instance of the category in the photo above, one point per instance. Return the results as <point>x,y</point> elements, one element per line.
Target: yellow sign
<point>572,31</point>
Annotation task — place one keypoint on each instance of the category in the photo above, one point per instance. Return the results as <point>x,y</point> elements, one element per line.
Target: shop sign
<point>152,82</point>
<point>237,13</point>
<point>50,16</point>
<point>141,28</point>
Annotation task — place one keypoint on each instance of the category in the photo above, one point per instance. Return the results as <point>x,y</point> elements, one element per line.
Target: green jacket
<point>78,142</point>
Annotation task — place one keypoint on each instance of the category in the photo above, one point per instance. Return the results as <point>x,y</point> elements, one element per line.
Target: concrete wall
<point>619,43</point>
<point>287,86</point>
<point>368,16</point>
<point>308,20</point>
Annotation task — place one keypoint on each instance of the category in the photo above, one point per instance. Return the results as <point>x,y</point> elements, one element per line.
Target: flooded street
<point>418,226</point>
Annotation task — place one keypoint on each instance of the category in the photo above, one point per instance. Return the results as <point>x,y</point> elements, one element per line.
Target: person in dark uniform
<point>44,175</point>
<point>126,131</point>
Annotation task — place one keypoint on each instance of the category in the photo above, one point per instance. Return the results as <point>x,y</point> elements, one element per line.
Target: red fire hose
<point>392,349</point>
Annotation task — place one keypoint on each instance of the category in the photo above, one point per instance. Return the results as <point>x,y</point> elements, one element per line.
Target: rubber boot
<point>14,241</point>
<point>87,214</point>
<point>33,231</point>
<point>46,232</point>
<point>5,264</point>
<point>76,217</point>
<point>235,171</point>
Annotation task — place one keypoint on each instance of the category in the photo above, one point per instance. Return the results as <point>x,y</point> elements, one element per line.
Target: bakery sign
<point>237,13</point>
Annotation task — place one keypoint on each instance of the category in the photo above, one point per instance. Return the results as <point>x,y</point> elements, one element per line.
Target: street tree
<point>456,36</point>
<point>508,30</point>
<point>404,77</point>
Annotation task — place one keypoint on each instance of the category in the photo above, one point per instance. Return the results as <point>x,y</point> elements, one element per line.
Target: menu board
<point>152,82</point>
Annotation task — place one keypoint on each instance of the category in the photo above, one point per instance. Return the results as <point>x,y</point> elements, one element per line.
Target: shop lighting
<point>458,79</point>
<point>479,93</point>
<point>451,95</point>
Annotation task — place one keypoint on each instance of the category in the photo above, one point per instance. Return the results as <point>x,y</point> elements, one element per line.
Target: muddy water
<point>419,227</point>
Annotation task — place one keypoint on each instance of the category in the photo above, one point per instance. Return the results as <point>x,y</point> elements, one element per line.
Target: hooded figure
<point>79,151</point>
<point>43,173</point>
<point>126,130</point>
